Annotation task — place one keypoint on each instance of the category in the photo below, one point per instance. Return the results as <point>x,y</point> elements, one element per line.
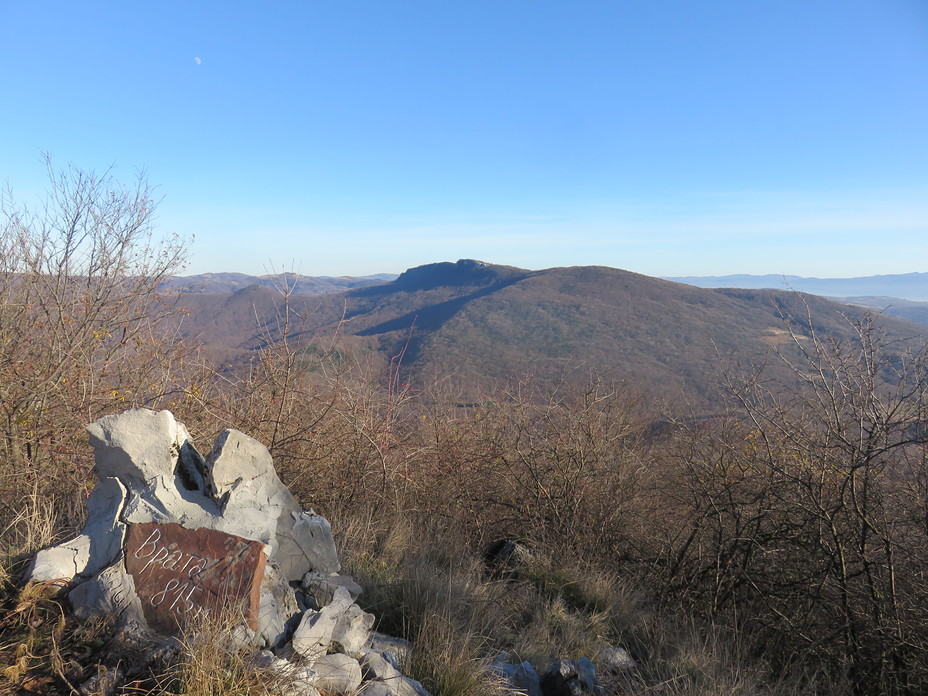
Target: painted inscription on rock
<point>182,573</point>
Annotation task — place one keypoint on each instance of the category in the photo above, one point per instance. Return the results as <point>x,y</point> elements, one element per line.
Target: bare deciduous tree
<point>79,312</point>
<point>803,514</point>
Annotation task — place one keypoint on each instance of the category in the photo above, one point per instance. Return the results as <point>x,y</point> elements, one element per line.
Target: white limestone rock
<point>110,593</point>
<point>384,677</point>
<point>265,659</point>
<point>400,686</point>
<point>137,445</point>
<point>352,630</point>
<point>277,606</point>
<point>304,543</point>
<point>104,528</point>
<point>302,682</point>
<point>377,667</point>
<point>321,587</point>
<point>314,634</point>
<point>337,673</point>
<point>59,563</point>
<point>96,547</point>
<point>395,650</point>
<point>242,472</point>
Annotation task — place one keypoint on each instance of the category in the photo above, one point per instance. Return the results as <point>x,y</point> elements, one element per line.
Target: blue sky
<point>667,137</point>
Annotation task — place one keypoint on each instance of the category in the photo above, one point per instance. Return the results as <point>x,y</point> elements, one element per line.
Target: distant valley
<point>907,286</point>
<point>903,295</point>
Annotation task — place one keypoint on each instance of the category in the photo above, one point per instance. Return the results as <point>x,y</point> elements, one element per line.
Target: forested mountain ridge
<point>484,323</point>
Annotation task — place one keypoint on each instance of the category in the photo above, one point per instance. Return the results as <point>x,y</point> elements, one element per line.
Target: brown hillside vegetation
<point>480,324</point>
<point>776,548</point>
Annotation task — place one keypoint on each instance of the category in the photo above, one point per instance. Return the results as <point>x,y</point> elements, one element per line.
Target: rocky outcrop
<point>173,539</point>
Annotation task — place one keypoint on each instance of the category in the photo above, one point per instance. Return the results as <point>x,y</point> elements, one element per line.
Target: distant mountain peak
<point>461,272</point>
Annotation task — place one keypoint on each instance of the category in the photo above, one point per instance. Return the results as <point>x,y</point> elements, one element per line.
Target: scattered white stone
<point>321,587</point>
<point>96,547</point>
<point>59,563</point>
<point>302,681</point>
<point>385,677</point>
<point>615,659</point>
<point>352,630</point>
<point>395,650</point>
<point>265,659</point>
<point>337,673</point>
<point>314,634</point>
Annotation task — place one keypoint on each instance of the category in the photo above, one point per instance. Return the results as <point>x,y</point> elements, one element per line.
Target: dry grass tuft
<point>214,658</point>
<point>34,526</point>
<point>447,660</point>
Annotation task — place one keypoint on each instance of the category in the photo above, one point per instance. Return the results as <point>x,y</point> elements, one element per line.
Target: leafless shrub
<point>802,514</point>
<point>79,319</point>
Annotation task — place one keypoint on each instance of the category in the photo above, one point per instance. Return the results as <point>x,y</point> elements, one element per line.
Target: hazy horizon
<point>186,274</point>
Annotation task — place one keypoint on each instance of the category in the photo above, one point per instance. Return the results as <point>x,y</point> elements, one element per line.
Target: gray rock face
<point>104,530</point>
<point>376,667</point>
<point>378,689</point>
<point>110,593</point>
<point>277,605</point>
<point>402,686</point>
<point>395,650</point>
<point>242,474</point>
<point>60,563</point>
<point>304,543</point>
